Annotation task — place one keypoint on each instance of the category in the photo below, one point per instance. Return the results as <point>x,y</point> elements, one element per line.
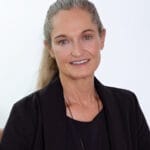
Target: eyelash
<point>88,37</point>
<point>63,42</point>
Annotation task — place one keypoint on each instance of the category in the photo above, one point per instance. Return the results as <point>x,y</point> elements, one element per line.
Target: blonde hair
<point>48,67</point>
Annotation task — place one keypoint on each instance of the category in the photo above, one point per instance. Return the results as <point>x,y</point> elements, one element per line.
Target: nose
<point>77,49</point>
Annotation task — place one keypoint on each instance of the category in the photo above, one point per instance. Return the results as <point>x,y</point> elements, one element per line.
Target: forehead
<point>73,20</point>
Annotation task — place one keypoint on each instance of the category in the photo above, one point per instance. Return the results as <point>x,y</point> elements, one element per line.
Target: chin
<point>79,76</point>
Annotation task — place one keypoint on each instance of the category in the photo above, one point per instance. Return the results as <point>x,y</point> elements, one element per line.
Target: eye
<point>63,42</point>
<point>88,37</point>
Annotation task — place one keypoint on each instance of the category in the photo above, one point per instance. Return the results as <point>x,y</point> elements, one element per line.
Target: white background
<point>125,58</point>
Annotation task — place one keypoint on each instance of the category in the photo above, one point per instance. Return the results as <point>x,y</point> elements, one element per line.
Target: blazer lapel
<point>114,121</point>
<point>54,125</point>
<point>54,116</point>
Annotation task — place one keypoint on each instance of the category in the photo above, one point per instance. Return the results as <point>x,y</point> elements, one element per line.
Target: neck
<point>78,90</point>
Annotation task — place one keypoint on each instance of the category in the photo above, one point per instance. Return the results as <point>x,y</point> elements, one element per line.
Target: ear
<point>102,38</point>
<point>47,45</point>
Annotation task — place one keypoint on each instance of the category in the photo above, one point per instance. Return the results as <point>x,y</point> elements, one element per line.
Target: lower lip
<point>80,64</point>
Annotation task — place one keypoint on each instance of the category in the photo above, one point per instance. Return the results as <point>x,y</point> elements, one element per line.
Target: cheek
<point>94,48</point>
<point>98,59</point>
<point>96,52</point>
<point>61,57</point>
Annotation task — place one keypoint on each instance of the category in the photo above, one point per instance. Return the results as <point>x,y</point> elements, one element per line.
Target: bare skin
<point>82,99</point>
<point>76,47</point>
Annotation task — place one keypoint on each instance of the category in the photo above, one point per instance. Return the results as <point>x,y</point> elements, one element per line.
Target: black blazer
<point>38,121</point>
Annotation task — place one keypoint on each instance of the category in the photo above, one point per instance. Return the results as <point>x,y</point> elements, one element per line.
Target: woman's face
<point>76,43</point>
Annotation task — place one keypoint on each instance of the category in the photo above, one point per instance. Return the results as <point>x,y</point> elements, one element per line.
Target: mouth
<point>79,62</point>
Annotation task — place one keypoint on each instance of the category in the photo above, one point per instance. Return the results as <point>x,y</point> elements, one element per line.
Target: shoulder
<point>25,111</point>
<point>31,104</point>
<point>128,105</point>
<point>23,122</point>
<point>121,93</point>
<point>27,103</point>
<point>124,97</point>
<point>118,95</point>
<point>114,91</point>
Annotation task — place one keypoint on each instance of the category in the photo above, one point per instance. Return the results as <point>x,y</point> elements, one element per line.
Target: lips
<point>79,62</point>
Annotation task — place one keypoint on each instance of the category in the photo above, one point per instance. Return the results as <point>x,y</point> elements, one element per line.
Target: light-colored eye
<point>88,37</point>
<point>63,42</point>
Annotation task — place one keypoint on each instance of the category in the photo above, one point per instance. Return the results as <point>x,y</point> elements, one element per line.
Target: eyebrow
<point>88,30</point>
<point>60,36</point>
<point>63,35</point>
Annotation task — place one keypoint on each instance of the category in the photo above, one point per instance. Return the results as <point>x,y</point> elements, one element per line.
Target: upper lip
<point>79,60</point>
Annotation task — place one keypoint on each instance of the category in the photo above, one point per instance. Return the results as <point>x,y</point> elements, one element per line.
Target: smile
<point>79,62</point>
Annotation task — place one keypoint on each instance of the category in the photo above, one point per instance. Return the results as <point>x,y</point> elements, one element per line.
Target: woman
<point>72,110</point>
